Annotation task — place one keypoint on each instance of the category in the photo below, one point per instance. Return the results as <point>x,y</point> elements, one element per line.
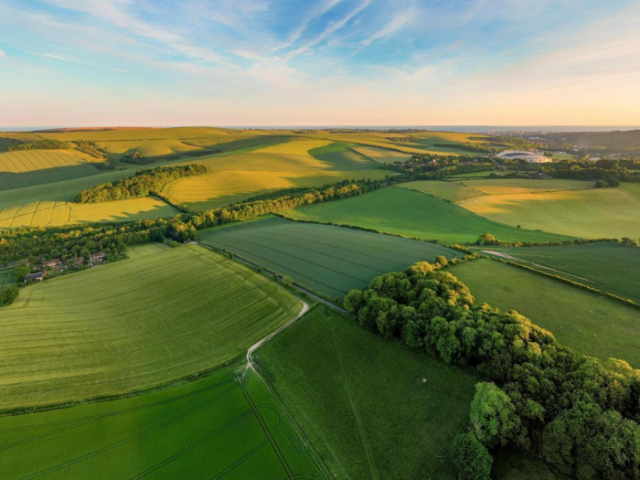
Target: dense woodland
<point>82,240</point>
<point>142,184</point>
<point>579,413</point>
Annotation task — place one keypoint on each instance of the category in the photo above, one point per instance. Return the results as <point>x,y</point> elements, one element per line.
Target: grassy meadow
<point>362,401</point>
<point>132,324</point>
<point>37,167</point>
<point>584,213</point>
<point>330,260</point>
<point>589,323</point>
<point>414,214</point>
<point>606,266</point>
<point>380,155</point>
<point>214,427</point>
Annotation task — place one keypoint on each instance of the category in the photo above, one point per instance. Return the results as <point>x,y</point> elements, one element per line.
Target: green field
<point>6,277</point>
<point>211,428</point>
<point>381,155</point>
<point>362,401</point>
<point>414,214</point>
<point>587,322</point>
<point>37,167</point>
<point>606,266</point>
<point>451,191</point>
<point>133,324</point>
<point>584,213</point>
<point>330,260</point>
<point>146,249</point>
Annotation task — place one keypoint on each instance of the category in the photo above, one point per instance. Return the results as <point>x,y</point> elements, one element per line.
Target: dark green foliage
<point>142,184</point>
<point>40,145</point>
<point>471,458</point>
<point>81,240</point>
<point>8,295</point>
<point>19,273</point>
<point>90,148</point>
<point>540,380</point>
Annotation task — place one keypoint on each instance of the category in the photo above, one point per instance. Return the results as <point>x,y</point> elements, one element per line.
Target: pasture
<point>210,428</point>
<point>6,277</point>
<point>584,213</point>
<point>587,322</point>
<point>36,167</point>
<point>414,214</point>
<point>361,400</point>
<point>133,324</point>
<point>606,266</point>
<point>330,260</point>
<point>380,155</point>
<point>451,191</point>
<point>146,249</point>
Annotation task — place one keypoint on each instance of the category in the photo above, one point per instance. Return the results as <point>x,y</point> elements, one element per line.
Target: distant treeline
<point>40,145</point>
<point>90,148</point>
<point>142,184</point>
<point>543,397</point>
<point>82,240</point>
<point>137,158</point>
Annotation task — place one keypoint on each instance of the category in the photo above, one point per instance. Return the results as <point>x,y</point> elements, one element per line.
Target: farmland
<point>414,214</point>
<point>133,324</point>
<point>584,213</point>
<point>37,167</point>
<point>330,260</point>
<point>608,267</point>
<point>208,428</point>
<point>589,323</point>
<point>380,155</point>
<point>362,402</point>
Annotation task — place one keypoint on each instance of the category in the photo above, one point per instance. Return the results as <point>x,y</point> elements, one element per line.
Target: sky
<point>319,62</point>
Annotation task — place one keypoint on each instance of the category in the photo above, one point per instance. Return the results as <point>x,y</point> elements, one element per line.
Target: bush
<point>471,458</point>
<point>8,295</point>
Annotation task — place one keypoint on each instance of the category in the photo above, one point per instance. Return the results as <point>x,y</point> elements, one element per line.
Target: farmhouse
<point>96,257</point>
<point>56,262</point>
<point>34,277</point>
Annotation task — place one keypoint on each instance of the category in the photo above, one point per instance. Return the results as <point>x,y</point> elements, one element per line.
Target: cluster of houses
<point>57,266</point>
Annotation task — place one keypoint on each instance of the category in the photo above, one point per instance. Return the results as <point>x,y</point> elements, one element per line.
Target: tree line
<point>112,238</point>
<point>40,145</point>
<point>579,413</point>
<point>142,184</point>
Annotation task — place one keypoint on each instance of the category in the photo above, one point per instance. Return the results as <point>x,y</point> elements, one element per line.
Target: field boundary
<point>582,286</point>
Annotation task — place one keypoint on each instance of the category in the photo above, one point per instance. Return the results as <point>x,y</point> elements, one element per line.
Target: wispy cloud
<point>395,24</point>
<point>2,54</point>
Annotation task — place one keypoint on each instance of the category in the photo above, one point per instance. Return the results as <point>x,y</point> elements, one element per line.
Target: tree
<point>471,458</point>
<point>8,295</point>
<point>19,273</point>
<point>487,239</point>
<point>442,261</point>
<point>493,416</point>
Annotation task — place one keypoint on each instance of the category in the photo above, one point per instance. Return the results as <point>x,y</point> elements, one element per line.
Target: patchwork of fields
<point>609,267</point>
<point>38,167</point>
<point>133,324</point>
<point>589,323</point>
<point>330,260</point>
<point>362,401</point>
<point>211,428</point>
<point>414,214</point>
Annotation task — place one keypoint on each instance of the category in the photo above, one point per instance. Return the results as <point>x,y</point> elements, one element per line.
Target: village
<point>38,270</point>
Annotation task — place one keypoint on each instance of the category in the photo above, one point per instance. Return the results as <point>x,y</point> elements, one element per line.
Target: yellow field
<point>381,155</point>
<point>220,188</point>
<point>37,167</point>
<point>518,186</point>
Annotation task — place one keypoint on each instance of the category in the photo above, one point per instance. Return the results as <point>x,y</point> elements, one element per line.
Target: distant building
<point>34,277</point>
<point>56,262</point>
<point>531,157</point>
<point>97,257</point>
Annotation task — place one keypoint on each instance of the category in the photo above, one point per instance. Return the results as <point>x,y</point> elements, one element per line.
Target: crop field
<point>589,323</point>
<point>363,402</point>
<point>215,427</point>
<point>414,214</point>
<point>220,188</point>
<point>381,155</point>
<point>584,213</point>
<point>37,167</point>
<point>146,249</point>
<point>331,260</point>
<point>132,324</point>
<point>451,191</point>
<point>606,266</point>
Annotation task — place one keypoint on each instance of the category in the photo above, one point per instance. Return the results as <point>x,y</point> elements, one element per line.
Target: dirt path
<point>518,259</point>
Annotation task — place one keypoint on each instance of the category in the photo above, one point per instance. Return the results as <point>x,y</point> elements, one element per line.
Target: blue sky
<point>340,62</point>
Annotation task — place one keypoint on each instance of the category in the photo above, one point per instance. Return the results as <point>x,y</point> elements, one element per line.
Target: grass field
<point>215,427</point>
<point>330,260</point>
<point>589,323</point>
<point>133,324</point>
<point>146,249</point>
<point>608,267</point>
<point>381,155</point>
<point>362,401</point>
<point>590,213</point>
<point>451,191</point>
<point>414,214</point>
<point>37,167</point>
<point>6,277</point>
